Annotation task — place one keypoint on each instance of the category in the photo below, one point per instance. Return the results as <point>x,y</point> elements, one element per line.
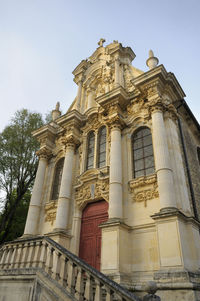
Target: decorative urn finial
<point>152,61</point>
<point>101,41</point>
<point>56,112</point>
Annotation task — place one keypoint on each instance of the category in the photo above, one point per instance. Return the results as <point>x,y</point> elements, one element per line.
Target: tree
<point>18,166</point>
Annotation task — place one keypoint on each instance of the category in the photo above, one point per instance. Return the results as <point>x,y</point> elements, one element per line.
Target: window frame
<point>99,144</point>
<point>143,159</point>
<point>87,150</point>
<point>59,182</point>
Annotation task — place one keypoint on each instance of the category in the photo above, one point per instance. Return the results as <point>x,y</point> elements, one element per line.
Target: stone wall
<point>191,143</point>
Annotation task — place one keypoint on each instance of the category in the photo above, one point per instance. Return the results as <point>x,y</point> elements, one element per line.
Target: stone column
<point>79,93</point>
<point>162,160</point>
<point>62,213</point>
<point>90,102</point>
<point>117,72</point>
<point>115,186</point>
<point>36,201</point>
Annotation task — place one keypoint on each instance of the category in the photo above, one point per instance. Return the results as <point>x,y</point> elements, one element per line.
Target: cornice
<point>118,95</point>
<point>45,130</point>
<point>74,116</point>
<point>159,77</point>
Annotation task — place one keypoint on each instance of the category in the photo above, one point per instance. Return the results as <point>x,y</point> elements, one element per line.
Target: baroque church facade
<point>118,176</point>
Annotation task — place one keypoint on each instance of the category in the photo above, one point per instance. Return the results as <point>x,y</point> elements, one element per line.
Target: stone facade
<point>152,232</point>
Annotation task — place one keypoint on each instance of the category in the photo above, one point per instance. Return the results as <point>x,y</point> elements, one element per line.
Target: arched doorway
<point>90,239</point>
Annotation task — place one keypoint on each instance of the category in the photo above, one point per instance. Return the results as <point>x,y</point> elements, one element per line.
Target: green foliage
<point>18,165</point>
<point>17,226</point>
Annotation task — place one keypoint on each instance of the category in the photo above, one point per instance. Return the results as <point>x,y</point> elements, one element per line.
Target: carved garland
<point>50,212</point>
<point>92,191</point>
<point>144,189</point>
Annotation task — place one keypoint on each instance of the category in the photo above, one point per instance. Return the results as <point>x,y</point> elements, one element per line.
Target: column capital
<point>70,141</point>
<point>156,105</point>
<point>116,122</point>
<point>44,153</point>
<point>171,112</point>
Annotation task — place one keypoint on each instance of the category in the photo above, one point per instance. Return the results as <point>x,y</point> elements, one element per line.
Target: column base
<point>178,240</point>
<point>114,254</point>
<point>60,236</point>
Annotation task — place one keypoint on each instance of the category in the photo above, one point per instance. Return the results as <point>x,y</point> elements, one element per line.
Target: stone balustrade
<point>81,281</point>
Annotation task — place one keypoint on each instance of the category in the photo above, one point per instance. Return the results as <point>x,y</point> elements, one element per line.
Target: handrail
<point>81,280</point>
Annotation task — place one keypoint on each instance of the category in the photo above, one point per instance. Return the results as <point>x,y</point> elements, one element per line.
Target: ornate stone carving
<point>93,185</point>
<point>44,153</point>
<point>50,211</point>
<point>144,188</point>
<point>70,141</point>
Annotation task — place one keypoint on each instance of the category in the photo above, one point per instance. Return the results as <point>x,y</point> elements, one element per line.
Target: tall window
<point>143,160</point>
<point>57,179</point>
<point>102,147</point>
<point>90,151</point>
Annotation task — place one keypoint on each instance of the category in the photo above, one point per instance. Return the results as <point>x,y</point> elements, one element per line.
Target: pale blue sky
<point>42,41</point>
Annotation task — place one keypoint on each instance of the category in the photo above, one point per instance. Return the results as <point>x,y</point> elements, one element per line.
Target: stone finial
<point>58,106</point>
<point>56,113</point>
<point>101,41</point>
<point>152,61</point>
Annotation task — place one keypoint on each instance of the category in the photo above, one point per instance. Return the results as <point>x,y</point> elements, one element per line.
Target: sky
<point>42,41</point>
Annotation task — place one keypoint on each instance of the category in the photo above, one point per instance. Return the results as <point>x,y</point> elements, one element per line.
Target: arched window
<point>143,160</point>
<point>90,151</point>
<point>102,147</point>
<point>57,179</point>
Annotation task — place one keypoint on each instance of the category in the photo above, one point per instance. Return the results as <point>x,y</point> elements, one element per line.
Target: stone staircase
<point>39,269</point>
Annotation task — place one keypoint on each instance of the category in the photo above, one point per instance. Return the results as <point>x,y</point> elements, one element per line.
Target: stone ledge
<point>174,212</point>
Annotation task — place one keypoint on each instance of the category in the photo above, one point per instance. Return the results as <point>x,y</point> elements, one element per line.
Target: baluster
<point>30,255</point>
<point>70,277</point>
<point>3,258</point>
<point>36,254</point>
<point>88,287</point>
<point>13,257</point>
<point>98,291</point>
<point>18,256</point>
<point>117,297</point>
<point>8,257</point>
<point>24,254</point>
<point>63,270</point>
<point>56,265</point>
<point>79,288</point>
<point>109,294</point>
<point>49,261</point>
<point>43,255</point>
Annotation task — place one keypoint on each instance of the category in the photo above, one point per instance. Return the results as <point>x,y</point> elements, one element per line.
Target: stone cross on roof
<point>101,41</point>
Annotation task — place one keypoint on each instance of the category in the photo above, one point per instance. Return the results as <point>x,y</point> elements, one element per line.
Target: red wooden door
<point>90,240</point>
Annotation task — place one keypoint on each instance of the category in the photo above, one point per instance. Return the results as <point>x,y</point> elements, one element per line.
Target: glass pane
<point>137,144</point>
<point>101,164</point>
<point>90,150</point>
<point>148,151</point>
<point>57,179</point>
<point>149,171</point>
<point>146,132</point>
<point>149,162</point>
<point>139,164</point>
<point>138,134</point>
<point>102,147</point>
<point>102,131</point>
<point>139,173</point>
<point>147,140</point>
<point>138,154</point>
